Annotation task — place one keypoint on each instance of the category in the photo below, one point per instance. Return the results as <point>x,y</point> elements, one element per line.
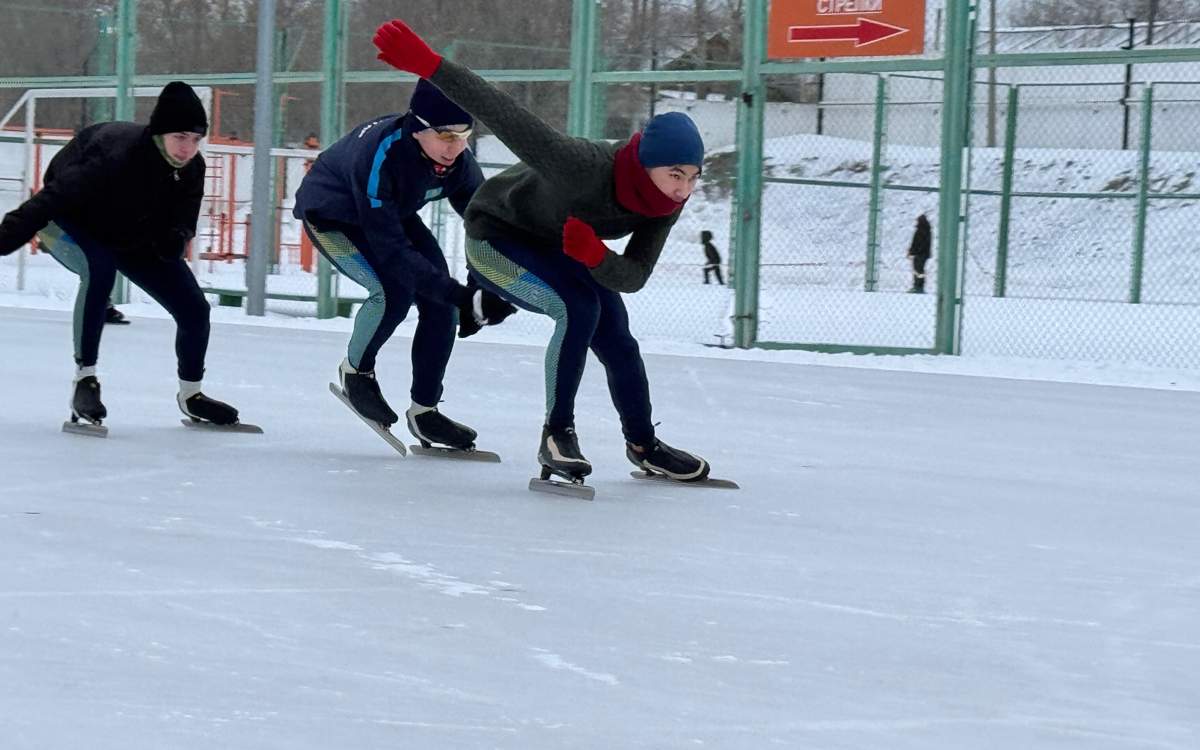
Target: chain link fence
<point>1078,243</point>
<point>1076,239</point>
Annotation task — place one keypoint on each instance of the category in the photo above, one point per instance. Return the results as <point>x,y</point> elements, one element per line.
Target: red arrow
<point>862,33</point>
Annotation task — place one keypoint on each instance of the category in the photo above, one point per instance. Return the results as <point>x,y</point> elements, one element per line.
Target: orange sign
<point>845,28</point>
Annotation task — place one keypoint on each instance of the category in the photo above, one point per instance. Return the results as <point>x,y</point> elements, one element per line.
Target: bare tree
<point>1083,12</point>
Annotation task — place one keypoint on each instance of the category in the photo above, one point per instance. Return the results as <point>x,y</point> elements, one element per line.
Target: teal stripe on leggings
<point>522,284</point>
<point>65,250</point>
<point>350,262</point>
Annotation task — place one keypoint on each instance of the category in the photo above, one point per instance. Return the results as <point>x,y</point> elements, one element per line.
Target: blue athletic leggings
<point>586,315</point>
<point>169,282</point>
<point>388,302</point>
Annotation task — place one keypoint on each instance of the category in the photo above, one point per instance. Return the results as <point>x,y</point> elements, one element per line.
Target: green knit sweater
<point>558,176</point>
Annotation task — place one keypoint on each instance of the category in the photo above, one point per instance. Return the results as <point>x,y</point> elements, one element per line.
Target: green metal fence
<point>1062,186</point>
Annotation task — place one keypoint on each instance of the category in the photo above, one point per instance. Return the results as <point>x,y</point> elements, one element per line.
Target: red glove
<point>400,47</point>
<point>581,243</point>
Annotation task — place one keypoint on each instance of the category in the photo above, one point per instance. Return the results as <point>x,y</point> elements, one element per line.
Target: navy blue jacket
<point>376,178</point>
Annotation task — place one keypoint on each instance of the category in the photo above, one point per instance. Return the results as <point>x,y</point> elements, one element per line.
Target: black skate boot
<point>201,408</point>
<point>559,454</point>
<point>430,426</point>
<point>672,463</point>
<point>85,404</point>
<point>362,390</point>
<point>113,316</point>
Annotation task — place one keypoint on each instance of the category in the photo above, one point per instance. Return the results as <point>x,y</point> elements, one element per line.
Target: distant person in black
<point>712,259</point>
<point>125,197</point>
<point>919,251</point>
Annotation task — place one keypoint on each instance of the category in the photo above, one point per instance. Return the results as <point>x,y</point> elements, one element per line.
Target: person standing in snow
<point>919,251</point>
<point>359,205</point>
<point>125,197</point>
<point>712,258</point>
<point>535,236</point>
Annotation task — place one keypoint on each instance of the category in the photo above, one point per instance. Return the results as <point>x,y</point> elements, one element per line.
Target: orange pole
<point>231,186</point>
<point>306,251</point>
<point>37,184</point>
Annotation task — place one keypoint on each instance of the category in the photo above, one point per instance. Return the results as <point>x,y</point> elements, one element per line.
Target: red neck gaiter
<point>635,190</point>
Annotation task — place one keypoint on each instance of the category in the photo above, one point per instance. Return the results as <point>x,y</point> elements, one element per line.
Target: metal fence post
<point>331,130</point>
<point>262,229</point>
<point>583,63</point>
<point>1006,188</point>
<point>875,208</point>
<point>746,222</point>
<point>1143,196</point>
<point>125,105</point>
<point>955,114</point>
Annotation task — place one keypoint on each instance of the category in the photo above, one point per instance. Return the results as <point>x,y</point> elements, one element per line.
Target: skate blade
<point>566,489</point>
<point>85,428</point>
<point>250,429</point>
<point>435,451</point>
<point>710,482</point>
<point>377,428</point>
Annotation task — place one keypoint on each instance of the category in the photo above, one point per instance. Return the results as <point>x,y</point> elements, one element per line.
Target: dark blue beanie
<point>431,105</point>
<point>669,139</point>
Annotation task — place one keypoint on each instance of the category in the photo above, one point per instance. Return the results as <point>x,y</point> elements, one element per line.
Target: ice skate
<point>660,458</point>
<point>441,436</point>
<point>87,411</point>
<point>666,464</point>
<point>361,390</point>
<point>202,411</point>
<point>560,456</point>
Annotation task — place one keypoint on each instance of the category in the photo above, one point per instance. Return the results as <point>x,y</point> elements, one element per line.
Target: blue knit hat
<point>669,139</point>
<point>431,105</point>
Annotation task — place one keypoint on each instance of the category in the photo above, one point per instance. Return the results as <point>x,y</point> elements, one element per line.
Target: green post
<point>875,208</point>
<point>1143,197</point>
<point>1006,188</point>
<point>957,81</point>
<point>125,110</point>
<point>104,63</point>
<point>331,129</point>
<point>746,222</point>
<point>583,65</point>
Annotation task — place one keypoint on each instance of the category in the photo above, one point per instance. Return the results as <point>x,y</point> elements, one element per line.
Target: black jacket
<point>111,184</point>
<point>922,241</point>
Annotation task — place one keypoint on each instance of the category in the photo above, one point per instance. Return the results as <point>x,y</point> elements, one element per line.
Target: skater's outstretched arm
<point>556,156</point>
<point>75,181</point>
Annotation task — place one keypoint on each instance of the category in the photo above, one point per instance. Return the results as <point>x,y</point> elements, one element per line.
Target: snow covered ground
<point>915,560</point>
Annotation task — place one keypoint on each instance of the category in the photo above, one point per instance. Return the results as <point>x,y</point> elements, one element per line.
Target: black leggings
<point>169,282</point>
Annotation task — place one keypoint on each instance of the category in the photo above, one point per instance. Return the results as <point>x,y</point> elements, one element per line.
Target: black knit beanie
<point>435,108</point>
<point>178,111</point>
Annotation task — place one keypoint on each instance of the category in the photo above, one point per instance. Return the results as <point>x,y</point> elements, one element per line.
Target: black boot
<point>364,395</point>
<point>204,409</point>
<point>672,463</point>
<point>430,426</point>
<point>85,404</point>
<point>560,453</point>
<point>114,316</point>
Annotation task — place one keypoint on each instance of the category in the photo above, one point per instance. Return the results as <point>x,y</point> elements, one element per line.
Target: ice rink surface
<point>913,561</point>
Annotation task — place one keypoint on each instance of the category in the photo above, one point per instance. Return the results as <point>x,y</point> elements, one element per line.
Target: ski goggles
<point>445,132</point>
